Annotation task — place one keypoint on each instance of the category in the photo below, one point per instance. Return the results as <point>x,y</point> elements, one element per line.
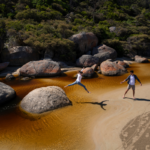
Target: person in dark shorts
<point>131,79</point>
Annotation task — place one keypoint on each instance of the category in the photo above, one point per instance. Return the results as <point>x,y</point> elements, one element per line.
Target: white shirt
<point>79,77</point>
<point>132,80</point>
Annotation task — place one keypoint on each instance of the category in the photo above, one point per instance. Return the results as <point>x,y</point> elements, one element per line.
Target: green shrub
<point>59,8</point>
<point>78,21</point>
<point>139,43</point>
<point>17,25</point>
<point>38,16</point>
<point>2,29</point>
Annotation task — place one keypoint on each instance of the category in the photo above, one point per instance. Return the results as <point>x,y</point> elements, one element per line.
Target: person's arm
<point>125,80</point>
<point>138,80</point>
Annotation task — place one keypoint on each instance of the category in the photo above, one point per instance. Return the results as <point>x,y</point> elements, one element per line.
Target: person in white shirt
<point>78,80</point>
<point>131,83</point>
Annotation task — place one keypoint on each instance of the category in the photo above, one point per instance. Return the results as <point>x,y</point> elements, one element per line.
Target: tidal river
<point>83,126</point>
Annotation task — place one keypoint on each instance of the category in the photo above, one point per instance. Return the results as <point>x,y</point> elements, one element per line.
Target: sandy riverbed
<point>85,125</point>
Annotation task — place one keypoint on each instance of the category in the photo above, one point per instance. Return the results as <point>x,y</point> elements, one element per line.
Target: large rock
<point>84,41</point>
<point>19,55</point>
<point>45,99</point>
<point>6,93</point>
<point>3,65</point>
<point>88,72</point>
<point>110,68</point>
<point>104,52</point>
<point>141,59</point>
<point>87,61</point>
<point>40,68</point>
<point>125,65</point>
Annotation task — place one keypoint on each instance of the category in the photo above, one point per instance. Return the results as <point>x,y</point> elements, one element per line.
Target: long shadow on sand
<point>101,104</point>
<point>138,99</point>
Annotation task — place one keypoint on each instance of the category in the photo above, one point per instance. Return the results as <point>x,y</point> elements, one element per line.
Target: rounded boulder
<point>40,68</point>
<point>45,99</point>
<point>84,41</point>
<point>110,68</point>
<point>87,61</point>
<point>88,72</point>
<point>104,52</point>
<point>6,93</point>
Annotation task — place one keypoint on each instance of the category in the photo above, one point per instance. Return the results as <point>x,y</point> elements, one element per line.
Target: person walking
<point>131,79</point>
<point>78,80</point>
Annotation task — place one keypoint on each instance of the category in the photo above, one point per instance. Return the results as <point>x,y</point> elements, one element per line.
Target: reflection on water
<point>67,128</point>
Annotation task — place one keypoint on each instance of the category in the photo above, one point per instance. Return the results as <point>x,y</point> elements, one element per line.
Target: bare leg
<point>125,93</point>
<point>133,94</point>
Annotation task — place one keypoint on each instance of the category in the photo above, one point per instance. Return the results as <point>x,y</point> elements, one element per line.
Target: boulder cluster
<point>93,58</point>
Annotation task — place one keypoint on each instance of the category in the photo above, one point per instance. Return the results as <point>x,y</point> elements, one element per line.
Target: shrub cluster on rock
<point>48,24</point>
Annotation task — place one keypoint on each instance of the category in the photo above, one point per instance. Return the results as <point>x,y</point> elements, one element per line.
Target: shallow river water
<point>68,128</point>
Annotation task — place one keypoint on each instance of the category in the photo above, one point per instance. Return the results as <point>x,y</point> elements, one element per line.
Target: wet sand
<point>83,126</point>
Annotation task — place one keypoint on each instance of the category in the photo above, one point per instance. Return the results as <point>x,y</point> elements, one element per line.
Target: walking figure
<point>131,79</point>
<point>78,80</point>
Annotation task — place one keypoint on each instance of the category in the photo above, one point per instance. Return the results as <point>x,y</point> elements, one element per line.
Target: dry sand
<point>126,123</point>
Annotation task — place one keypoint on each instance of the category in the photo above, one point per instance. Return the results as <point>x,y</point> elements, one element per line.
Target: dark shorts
<point>131,86</point>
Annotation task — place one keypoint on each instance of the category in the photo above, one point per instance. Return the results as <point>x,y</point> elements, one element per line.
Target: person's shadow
<point>138,99</point>
<point>101,104</point>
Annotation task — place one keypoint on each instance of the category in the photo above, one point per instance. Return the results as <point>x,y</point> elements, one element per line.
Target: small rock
<point>9,77</point>
<point>88,72</point>
<point>123,64</point>
<point>94,67</point>
<point>141,59</point>
<point>25,79</point>
<point>112,29</point>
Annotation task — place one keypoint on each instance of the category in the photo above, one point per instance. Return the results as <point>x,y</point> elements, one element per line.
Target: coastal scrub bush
<point>2,29</point>
<point>59,8</point>
<point>38,16</point>
<point>139,43</point>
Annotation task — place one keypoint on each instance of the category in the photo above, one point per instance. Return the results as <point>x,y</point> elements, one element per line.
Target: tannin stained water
<point>68,128</point>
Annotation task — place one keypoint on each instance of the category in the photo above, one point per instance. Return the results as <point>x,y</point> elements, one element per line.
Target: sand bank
<point>123,124</point>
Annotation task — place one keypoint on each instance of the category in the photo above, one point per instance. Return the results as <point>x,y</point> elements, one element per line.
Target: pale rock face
<point>45,99</point>
<point>87,61</point>
<point>110,68</point>
<point>84,41</point>
<point>19,55</point>
<point>40,68</point>
<point>104,52</point>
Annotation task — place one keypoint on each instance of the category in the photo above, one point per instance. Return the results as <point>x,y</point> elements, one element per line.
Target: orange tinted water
<point>67,128</point>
